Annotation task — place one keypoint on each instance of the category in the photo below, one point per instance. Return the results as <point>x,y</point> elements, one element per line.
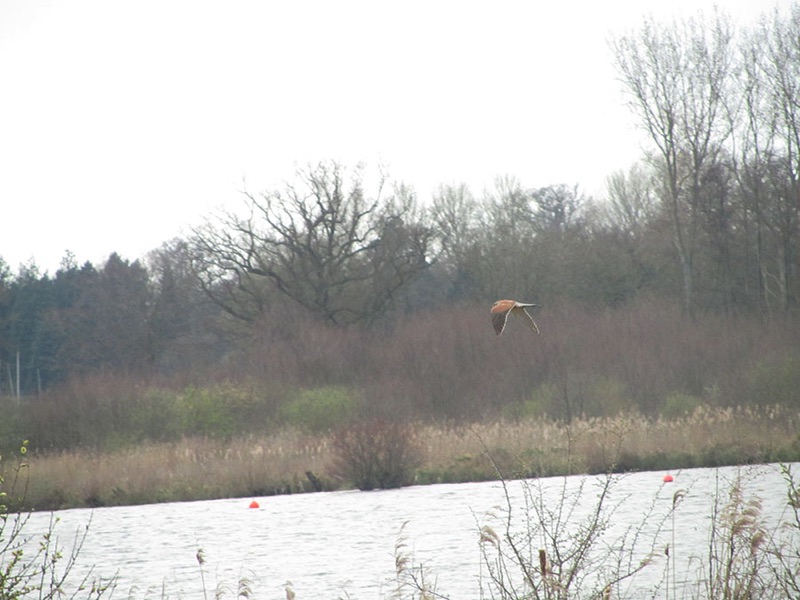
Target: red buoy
<point>254,504</point>
<point>667,478</point>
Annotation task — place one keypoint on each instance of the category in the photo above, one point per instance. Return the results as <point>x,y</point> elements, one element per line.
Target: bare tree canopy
<point>677,76</point>
<point>322,242</point>
<point>708,220</point>
<point>631,204</point>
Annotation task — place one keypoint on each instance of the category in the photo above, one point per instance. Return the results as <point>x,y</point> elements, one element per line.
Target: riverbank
<point>290,461</point>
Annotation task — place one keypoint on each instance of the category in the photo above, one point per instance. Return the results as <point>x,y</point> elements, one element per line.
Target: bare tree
<point>677,77</point>
<point>766,158</point>
<point>456,216</point>
<point>781,73</point>
<point>754,142</point>
<point>631,202</point>
<point>505,263</point>
<point>556,207</point>
<point>321,242</point>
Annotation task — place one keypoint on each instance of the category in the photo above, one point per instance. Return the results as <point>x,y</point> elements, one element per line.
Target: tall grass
<point>290,460</point>
<point>191,469</point>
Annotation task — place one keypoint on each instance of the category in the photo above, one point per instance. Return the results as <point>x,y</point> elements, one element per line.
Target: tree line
<point>708,220</point>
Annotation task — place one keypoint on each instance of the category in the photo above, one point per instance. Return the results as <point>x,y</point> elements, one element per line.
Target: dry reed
<point>202,468</point>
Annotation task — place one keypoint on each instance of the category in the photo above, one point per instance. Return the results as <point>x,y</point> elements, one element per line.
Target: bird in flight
<point>500,310</point>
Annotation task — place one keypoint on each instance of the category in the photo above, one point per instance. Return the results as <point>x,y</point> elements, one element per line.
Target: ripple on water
<point>331,543</point>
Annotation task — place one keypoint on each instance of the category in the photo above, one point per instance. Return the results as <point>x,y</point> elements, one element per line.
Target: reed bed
<point>290,461</point>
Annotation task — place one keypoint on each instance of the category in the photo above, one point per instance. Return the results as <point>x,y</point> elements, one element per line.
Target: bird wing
<point>499,321</point>
<point>529,319</point>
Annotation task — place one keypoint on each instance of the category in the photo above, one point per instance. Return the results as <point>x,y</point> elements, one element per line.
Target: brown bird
<point>500,310</point>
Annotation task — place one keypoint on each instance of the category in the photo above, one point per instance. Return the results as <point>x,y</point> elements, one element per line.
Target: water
<point>342,544</point>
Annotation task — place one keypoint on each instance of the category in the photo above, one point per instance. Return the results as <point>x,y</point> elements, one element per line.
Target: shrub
<point>601,396</point>
<point>551,553</point>
<point>776,382</point>
<point>204,411</point>
<point>544,401</point>
<point>375,454</point>
<point>11,424</point>
<point>679,404</point>
<point>156,415</point>
<point>320,409</point>
<point>585,395</point>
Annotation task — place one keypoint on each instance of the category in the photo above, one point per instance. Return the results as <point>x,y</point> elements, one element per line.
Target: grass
<point>291,461</point>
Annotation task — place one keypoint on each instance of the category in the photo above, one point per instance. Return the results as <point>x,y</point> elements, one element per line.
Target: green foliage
<point>321,409</point>
<point>221,410</point>
<point>603,396</point>
<point>205,411</point>
<point>680,404</point>
<point>585,395</point>
<point>544,402</point>
<point>775,382</point>
<point>156,415</point>
<point>10,424</point>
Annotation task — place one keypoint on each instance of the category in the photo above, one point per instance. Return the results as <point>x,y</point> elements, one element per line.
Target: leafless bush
<point>548,546</point>
<point>563,540</point>
<point>375,454</point>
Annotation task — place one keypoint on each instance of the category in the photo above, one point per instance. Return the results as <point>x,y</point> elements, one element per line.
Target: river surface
<point>343,544</point>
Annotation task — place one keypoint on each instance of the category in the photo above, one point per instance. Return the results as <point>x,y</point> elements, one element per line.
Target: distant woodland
<point>679,287</point>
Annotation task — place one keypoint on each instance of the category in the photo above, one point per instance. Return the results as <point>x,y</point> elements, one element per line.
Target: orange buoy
<point>254,504</point>
<point>667,478</point>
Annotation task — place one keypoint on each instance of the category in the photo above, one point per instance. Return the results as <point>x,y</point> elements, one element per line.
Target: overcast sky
<point>124,123</point>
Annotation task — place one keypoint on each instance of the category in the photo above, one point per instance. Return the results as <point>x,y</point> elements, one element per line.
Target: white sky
<point>124,123</point>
